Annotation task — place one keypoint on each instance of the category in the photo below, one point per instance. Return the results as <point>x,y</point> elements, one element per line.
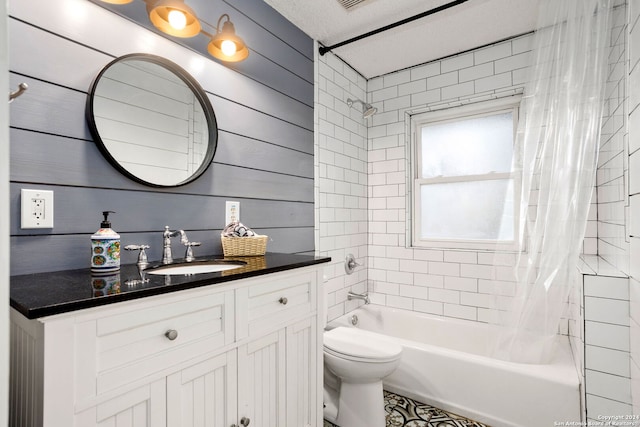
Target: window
<point>464,187</point>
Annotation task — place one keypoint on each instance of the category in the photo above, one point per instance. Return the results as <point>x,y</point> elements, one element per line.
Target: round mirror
<point>152,120</point>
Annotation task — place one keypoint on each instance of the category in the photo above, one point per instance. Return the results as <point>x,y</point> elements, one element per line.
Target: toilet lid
<point>356,343</point>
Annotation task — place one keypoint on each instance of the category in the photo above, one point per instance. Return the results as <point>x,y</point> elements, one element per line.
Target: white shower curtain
<point>558,139</point>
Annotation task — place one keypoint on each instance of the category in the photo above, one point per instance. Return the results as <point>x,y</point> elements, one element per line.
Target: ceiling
<point>460,28</point>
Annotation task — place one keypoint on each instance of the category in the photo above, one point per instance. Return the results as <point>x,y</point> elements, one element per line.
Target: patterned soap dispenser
<point>105,248</point>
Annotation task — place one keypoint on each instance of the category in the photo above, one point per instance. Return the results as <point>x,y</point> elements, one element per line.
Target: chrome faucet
<point>142,255</point>
<point>167,257</point>
<point>364,297</point>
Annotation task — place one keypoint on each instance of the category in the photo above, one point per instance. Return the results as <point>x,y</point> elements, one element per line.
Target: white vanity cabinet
<point>276,377</point>
<point>245,352</point>
<point>204,394</point>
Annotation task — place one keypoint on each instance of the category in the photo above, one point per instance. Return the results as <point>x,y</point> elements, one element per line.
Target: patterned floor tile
<point>404,412</point>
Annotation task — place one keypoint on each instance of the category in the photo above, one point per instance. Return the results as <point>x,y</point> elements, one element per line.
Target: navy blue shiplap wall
<point>264,109</point>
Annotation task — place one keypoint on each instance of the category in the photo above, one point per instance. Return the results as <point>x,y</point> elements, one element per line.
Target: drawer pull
<point>172,334</point>
<point>283,301</point>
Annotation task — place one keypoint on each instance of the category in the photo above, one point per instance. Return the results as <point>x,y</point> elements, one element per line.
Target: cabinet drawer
<point>266,305</point>
<point>133,344</point>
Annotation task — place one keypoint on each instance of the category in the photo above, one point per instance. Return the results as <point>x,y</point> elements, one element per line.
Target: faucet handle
<point>142,256</point>
<point>350,264</point>
<point>188,256</point>
<point>135,247</point>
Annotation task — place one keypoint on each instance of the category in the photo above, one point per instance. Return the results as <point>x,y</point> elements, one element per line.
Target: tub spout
<point>364,297</point>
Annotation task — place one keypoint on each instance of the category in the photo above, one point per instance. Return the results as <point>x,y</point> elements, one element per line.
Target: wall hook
<point>21,88</point>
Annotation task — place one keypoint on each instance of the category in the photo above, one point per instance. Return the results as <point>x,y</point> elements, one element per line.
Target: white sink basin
<point>196,268</point>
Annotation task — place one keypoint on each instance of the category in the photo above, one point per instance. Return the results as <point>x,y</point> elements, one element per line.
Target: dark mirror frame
<point>195,88</point>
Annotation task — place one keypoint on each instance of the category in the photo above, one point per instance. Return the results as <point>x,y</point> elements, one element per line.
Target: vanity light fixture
<point>368,110</point>
<point>225,44</point>
<point>173,17</point>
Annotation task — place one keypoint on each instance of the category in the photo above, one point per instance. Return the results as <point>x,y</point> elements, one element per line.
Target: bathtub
<point>443,364</point>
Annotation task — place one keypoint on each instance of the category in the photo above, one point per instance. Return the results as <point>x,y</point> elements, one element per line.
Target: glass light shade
<point>177,19</point>
<point>229,48</point>
<point>220,45</point>
<point>159,14</point>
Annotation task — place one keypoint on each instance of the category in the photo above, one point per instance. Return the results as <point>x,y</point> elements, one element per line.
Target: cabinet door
<point>141,407</point>
<point>203,395</point>
<point>262,381</point>
<point>303,402</point>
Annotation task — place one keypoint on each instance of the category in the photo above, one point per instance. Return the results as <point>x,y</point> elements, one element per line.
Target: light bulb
<point>177,19</point>
<point>228,47</point>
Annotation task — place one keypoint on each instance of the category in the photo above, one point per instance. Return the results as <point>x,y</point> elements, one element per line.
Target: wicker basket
<point>244,246</point>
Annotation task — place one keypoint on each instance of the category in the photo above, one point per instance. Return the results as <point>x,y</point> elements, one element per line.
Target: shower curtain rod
<point>326,49</point>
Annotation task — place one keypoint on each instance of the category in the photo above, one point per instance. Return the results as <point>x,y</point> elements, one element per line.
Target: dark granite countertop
<point>45,294</point>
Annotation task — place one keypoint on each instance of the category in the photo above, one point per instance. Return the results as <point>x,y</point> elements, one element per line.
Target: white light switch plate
<point>232,212</point>
<point>36,208</point>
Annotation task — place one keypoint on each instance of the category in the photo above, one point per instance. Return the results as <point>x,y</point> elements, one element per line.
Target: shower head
<point>367,109</point>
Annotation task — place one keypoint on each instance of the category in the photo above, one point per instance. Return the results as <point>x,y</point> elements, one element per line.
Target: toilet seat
<point>359,345</point>
<point>359,359</point>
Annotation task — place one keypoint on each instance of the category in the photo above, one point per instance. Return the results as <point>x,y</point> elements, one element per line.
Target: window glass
<point>471,146</point>
<point>473,210</point>
<point>465,192</point>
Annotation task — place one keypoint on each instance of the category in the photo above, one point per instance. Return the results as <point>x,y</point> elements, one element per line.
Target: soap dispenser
<point>105,248</point>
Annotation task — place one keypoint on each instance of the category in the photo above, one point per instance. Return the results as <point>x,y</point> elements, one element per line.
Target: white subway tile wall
<point>633,214</point>
<point>442,282</point>
<point>602,301</point>
<point>491,72</point>
<point>576,331</point>
<point>340,180</point>
<point>613,165</point>
<point>607,368</point>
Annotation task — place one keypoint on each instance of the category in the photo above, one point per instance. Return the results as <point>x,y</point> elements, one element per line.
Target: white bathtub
<point>443,364</point>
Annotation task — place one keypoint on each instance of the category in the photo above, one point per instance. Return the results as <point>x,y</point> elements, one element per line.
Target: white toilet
<point>355,362</point>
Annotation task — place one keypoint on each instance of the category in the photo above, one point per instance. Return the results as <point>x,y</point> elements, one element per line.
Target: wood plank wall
<point>264,109</point>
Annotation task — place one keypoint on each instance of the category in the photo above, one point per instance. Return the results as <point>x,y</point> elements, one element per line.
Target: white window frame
<point>417,121</point>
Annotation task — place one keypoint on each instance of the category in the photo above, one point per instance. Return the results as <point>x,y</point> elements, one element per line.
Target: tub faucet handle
<point>350,264</point>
